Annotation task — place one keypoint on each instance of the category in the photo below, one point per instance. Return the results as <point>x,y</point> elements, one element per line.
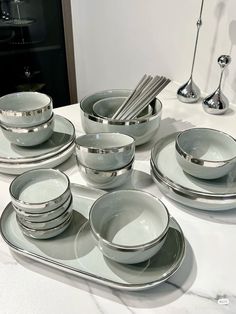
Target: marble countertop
<point>205,283</point>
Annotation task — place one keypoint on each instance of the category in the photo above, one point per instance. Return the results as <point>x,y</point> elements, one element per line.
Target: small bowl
<point>205,153</point>
<point>105,151</point>
<point>40,190</point>
<point>105,179</point>
<point>47,224</point>
<point>105,108</point>
<point>142,129</point>
<point>130,226</point>
<point>25,109</point>
<point>43,217</point>
<point>29,136</point>
<point>47,233</point>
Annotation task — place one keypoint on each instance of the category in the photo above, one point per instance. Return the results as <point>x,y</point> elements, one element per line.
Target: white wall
<point>117,41</point>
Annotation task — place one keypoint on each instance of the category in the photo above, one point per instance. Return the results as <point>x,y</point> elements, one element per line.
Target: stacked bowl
<point>105,160</point>
<point>97,110</point>
<point>26,118</point>
<point>42,201</point>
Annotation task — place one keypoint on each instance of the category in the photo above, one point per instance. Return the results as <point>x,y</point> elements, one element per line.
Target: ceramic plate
<point>218,194</point>
<point>74,251</point>
<point>51,162</point>
<point>62,137</point>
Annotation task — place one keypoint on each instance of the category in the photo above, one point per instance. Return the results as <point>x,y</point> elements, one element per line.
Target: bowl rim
<point>201,161</point>
<point>105,173</point>
<point>30,129</point>
<point>130,248</point>
<point>106,150</point>
<point>26,113</point>
<point>44,204</point>
<point>110,121</point>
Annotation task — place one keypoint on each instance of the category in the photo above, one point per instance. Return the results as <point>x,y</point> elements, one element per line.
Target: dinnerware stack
<point>42,201</point>
<point>142,128</point>
<point>129,226</point>
<point>26,118</point>
<point>105,160</point>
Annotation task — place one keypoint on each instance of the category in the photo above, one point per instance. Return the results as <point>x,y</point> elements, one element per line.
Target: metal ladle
<point>217,103</point>
<point>190,92</point>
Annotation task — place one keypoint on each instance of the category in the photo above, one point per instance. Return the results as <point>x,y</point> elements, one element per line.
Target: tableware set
<point>44,214</point>
<point>105,160</point>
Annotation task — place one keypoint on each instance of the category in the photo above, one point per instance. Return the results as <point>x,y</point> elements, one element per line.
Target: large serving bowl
<point>25,109</point>
<point>105,108</point>
<point>105,151</point>
<point>129,226</point>
<point>109,179</point>
<point>40,190</point>
<point>205,153</point>
<point>29,136</point>
<point>142,129</point>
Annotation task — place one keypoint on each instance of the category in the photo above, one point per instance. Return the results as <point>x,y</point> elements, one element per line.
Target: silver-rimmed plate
<point>218,194</point>
<point>62,137</point>
<point>74,250</point>
<point>50,162</point>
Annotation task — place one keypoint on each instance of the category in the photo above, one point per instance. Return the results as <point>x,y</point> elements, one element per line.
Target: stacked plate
<point>48,213</point>
<point>16,159</point>
<point>173,181</point>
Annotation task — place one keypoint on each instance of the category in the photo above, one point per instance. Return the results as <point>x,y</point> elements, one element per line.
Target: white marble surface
<point>205,283</point>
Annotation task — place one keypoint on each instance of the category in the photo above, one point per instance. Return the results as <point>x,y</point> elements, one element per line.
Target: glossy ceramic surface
<point>105,151</point>
<point>25,109</point>
<point>206,153</point>
<point>54,187</point>
<point>51,162</point>
<point>62,137</point>
<point>129,226</point>
<point>109,179</point>
<point>105,108</point>
<point>74,251</point>
<point>43,217</point>
<point>29,136</point>
<point>142,130</point>
<point>219,194</point>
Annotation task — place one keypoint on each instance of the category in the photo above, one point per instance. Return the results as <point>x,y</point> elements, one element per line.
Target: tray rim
<point>86,275</point>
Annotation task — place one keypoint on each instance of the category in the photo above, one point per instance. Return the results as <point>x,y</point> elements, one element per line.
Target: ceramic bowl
<point>40,190</point>
<point>29,136</point>
<point>47,233</point>
<point>43,217</point>
<point>142,129</point>
<point>105,179</point>
<point>105,151</point>
<point>105,108</point>
<point>130,226</point>
<point>25,109</point>
<point>47,224</point>
<point>205,153</point>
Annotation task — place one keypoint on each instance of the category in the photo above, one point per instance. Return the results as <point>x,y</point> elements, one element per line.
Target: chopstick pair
<point>146,90</point>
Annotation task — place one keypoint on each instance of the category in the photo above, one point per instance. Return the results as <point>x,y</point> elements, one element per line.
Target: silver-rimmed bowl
<point>25,109</point>
<point>47,224</point>
<point>40,190</point>
<point>129,226</point>
<point>205,153</point>
<point>105,151</point>
<point>109,179</point>
<point>105,108</point>
<point>47,233</point>
<point>142,129</point>
<point>43,217</point>
<point>29,136</point>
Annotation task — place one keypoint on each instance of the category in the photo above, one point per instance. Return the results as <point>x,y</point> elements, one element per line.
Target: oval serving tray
<point>218,194</point>
<point>74,250</point>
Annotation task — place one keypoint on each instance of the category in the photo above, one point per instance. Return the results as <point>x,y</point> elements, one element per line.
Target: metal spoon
<point>217,103</point>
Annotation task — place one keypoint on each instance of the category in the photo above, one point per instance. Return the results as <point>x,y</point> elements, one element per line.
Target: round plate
<point>63,135</point>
